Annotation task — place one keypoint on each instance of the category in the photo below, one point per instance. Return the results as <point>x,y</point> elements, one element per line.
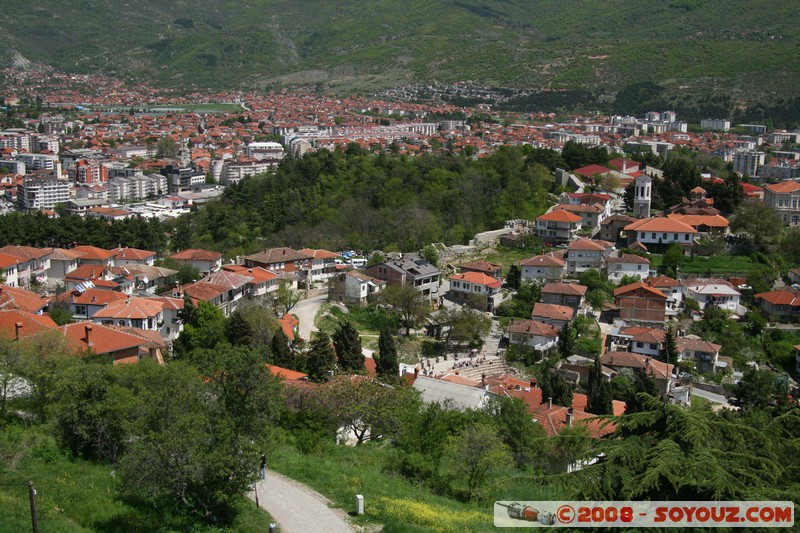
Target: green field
<point>714,265</point>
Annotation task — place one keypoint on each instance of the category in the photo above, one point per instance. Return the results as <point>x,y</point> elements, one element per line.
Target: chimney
<point>88,329</point>
<point>569,418</point>
<point>533,383</point>
<point>416,371</point>
<point>17,329</point>
<point>550,402</point>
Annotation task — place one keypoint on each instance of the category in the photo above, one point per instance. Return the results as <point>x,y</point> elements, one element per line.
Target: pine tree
<point>386,362</point>
<point>321,358</point>
<point>599,393</point>
<point>238,330</point>
<point>281,353</point>
<point>566,340</point>
<point>554,386</point>
<point>347,344</point>
<point>669,351</point>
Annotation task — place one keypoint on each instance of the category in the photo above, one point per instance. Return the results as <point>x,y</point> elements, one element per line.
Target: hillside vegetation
<point>735,48</point>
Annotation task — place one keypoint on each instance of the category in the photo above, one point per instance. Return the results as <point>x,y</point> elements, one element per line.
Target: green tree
<point>167,147</point>
<point>285,298</point>
<point>386,362</point>
<point>669,350</point>
<point>206,329</point>
<point>347,343</point>
<point>566,340</point>
<point>44,359</point>
<point>321,357</point>
<point>523,437</point>
<point>672,260</point>
<point>759,224</point>
<point>281,353</point>
<point>431,255</point>
<point>554,386</point>
<point>238,330</point>
<point>10,358</point>
<point>758,390</point>
<point>473,456</point>
<point>599,391</point>
<point>514,277</point>
<point>408,304</point>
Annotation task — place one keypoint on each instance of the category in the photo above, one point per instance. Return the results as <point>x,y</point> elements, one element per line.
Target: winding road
<point>298,509</point>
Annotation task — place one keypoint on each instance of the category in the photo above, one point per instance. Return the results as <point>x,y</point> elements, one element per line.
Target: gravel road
<point>298,509</point>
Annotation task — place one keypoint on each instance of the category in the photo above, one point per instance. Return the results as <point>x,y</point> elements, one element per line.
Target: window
<point>638,267</point>
<point>652,235</point>
<point>663,235</point>
<point>80,309</point>
<point>639,344</point>
<point>675,236</point>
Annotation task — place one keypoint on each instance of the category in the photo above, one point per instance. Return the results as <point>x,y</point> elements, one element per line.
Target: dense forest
<point>362,200</point>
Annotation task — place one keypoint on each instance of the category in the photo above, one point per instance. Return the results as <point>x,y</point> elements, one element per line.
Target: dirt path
<point>298,509</point>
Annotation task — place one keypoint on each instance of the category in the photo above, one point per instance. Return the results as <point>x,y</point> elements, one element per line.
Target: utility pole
<point>32,494</point>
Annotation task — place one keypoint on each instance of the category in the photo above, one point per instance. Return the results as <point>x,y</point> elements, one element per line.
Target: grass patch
<point>506,256</point>
<point>391,500</point>
<point>74,495</point>
<point>714,265</point>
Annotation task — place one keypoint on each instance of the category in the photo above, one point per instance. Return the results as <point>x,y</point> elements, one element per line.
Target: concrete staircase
<point>493,366</point>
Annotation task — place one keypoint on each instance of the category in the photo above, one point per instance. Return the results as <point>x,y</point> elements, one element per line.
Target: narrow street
<point>306,310</point>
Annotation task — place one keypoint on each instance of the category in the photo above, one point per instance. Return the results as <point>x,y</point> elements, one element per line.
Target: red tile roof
<point>131,309</point>
<point>9,260</point>
<point>782,187</point>
<point>546,260</point>
<point>132,254</point>
<point>287,374</point>
<point>663,225</point>
<point>477,278</point>
<point>786,296</point>
<point>559,215</point>
<point>639,285</point>
<point>533,327</point>
<point>552,311</point>
<point>590,170</point>
<point>101,339</point>
<point>93,253</point>
<point>15,323</point>
<point>196,255</point>
<point>86,272</point>
<point>15,298</point>
<point>258,274</point>
<point>642,362</point>
<point>319,254</point>
<point>571,289</point>
<point>630,258</point>
<point>25,252</point>
<point>712,221</point>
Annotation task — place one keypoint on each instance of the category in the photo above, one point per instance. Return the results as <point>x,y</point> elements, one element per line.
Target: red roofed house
<point>703,223</point>
<point>783,304</point>
<point>62,262</point>
<point>558,226</point>
<point>589,171</point>
<point>290,324</point>
<point>705,353</point>
<point>661,372</point>
<point>84,304</point>
<point>483,267</point>
<point>122,344</point>
<point>16,324</point>
<point>280,260</point>
<point>8,269</point>
<point>546,267</point>
<point>626,166</point>
<point>203,260</point>
<point>640,302</point>
<point>20,299</point>
<point>93,255</point>
<point>263,282</point>
<point>463,286</point>
<point>670,287</point>
<point>287,374</point>
<point>33,263</point>
<point>133,256</point>
<point>783,197</point>
<point>555,315</point>
<point>628,265</point>
<point>323,263</point>
<point>134,312</point>
<point>569,294</point>
<point>660,231</point>
<point>587,254</point>
<point>533,334</point>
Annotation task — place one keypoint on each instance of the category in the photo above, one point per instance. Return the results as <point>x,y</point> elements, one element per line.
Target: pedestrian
<point>263,466</point>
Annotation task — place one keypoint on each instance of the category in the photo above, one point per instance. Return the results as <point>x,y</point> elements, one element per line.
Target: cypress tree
<point>599,393</point>
<point>238,330</point>
<point>281,353</point>
<point>566,340</point>
<point>386,362</point>
<point>321,359</point>
<point>347,344</point>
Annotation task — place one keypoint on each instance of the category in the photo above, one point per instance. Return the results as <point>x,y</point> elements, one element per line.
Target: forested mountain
<point>734,48</point>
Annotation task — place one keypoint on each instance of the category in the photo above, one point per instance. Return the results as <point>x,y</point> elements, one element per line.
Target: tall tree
<point>599,391</point>
<point>238,330</point>
<point>514,277</point>
<point>471,457</point>
<point>566,340</point>
<point>554,386</point>
<point>321,358</point>
<point>514,425</point>
<point>408,303</point>
<point>669,350</point>
<point>285,298</point>
<point>281,353</point>
<point>386,362</point>
<point>347,343</point>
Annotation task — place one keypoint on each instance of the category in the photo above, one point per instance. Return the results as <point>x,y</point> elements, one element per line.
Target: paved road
<point>298,509</point>
<point>710,396</point>
<point>306,310</point>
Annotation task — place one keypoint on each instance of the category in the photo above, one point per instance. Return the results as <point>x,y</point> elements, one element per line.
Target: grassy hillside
<point>734,46</point>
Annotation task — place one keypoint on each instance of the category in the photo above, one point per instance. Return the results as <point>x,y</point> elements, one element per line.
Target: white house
<point>713,291</point>
<point>359,286</point>
<point>464,285</point>
<point>545,267</point>
<point>660,231</point>
<point>8,270</point>
<point>586,254</point>
<point>670,287</point>
<point>628,265</point>
<point>558,225</point>
<point>533,334</point>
